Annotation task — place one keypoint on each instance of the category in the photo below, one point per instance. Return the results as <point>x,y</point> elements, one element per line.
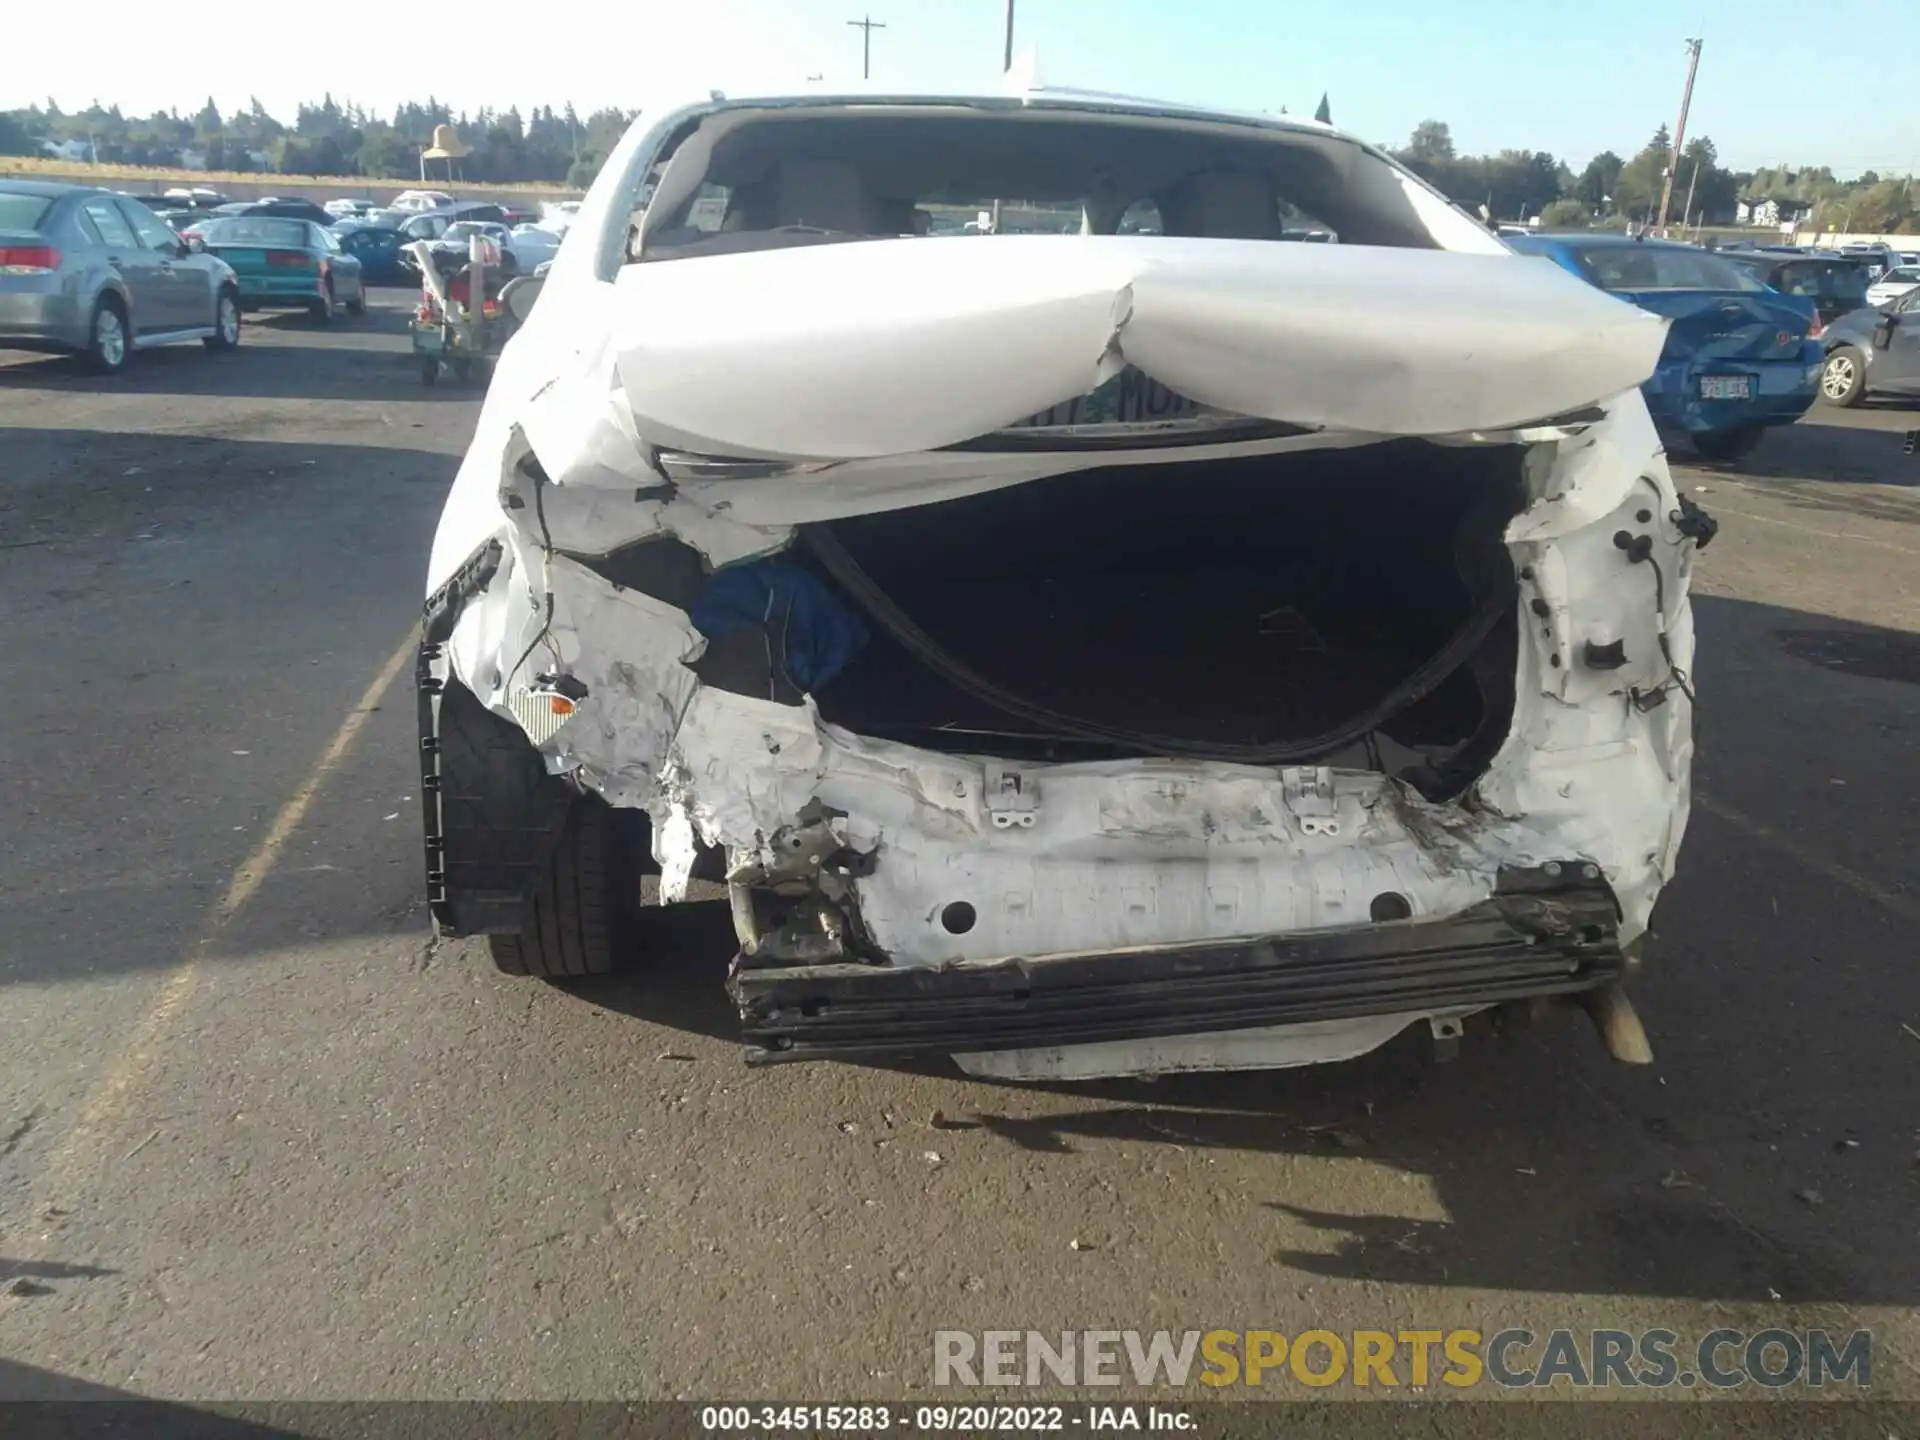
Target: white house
<point>71,150</point>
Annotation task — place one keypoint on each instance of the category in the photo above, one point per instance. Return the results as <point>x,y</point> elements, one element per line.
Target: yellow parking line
<point>1840,874</point>
<point>122,1079</point>
<point>1800,529</point>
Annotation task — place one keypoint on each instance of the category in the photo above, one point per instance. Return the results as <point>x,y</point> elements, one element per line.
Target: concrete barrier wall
<point>1824,241</point>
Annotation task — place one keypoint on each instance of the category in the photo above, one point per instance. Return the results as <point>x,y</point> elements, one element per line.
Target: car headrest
<point>1235,205</point>
<point>822,193</point>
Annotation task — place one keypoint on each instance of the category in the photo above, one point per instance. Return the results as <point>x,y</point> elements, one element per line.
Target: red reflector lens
<point>290,258</point>
<point>28,259</point>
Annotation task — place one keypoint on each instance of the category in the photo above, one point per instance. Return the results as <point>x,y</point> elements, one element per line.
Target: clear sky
<point>1833,82</point>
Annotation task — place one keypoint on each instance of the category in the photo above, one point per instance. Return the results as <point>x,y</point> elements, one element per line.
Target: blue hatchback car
<point>1738,358</point>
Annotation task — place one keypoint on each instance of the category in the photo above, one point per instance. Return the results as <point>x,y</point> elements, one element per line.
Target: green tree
<point>1715,192</point>
<point>14,139</point>
<point>1568,214</point>
<point>386,153</point>
<point>1637,190</point>
<point>1431,143</point>
<point>1595,186</point>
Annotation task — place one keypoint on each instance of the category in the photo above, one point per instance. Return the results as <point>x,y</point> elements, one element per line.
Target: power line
<point>867,25</point>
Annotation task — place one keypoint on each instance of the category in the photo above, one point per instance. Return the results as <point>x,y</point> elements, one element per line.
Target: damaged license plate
<point>1726,387</point>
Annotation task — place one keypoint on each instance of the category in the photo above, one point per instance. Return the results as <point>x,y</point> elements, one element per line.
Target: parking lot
<point>261,1136</point>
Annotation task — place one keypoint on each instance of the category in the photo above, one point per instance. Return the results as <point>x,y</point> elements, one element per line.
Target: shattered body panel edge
<point>1123,854</point>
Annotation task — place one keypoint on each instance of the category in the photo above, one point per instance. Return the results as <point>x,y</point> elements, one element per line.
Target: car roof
<point>1018,95</point>
<point>51,190</point>
<point>1585,240</point>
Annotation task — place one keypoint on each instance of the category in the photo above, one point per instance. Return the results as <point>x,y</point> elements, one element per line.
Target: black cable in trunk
<point>1423,681</point>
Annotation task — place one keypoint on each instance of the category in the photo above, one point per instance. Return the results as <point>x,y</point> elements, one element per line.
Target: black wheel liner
<point>492,814</point>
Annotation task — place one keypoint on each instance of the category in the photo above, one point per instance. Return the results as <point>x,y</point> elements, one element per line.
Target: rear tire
<point>109,337</point>
<point>1843,379</point>
<point>1734,444</point>
<point>581,913</point>
<point>226,323</point>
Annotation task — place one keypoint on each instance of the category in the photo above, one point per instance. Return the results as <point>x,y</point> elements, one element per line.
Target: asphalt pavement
<point>261,1136</point>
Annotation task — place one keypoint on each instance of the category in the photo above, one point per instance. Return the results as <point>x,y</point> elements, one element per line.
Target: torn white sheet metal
<point>1131,853</point>
<point>1138,853</point>
<point>892,347</point>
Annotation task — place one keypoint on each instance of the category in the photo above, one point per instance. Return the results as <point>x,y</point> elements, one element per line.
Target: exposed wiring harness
<point>865,592</point>
<point>1694,524</point>
<point>530,468</point>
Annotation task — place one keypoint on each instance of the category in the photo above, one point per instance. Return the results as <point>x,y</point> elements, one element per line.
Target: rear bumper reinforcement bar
<point>1552,930</point>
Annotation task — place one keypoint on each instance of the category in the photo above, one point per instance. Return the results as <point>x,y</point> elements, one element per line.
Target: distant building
<point>1770,214</point>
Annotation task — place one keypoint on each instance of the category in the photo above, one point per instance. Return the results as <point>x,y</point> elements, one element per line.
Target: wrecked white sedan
<point>1126,642</point>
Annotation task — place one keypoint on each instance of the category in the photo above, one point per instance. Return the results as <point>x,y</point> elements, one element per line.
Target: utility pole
<point>867,25</point>
<point>1686,210</point>
<point>1006,68</point>
<point>1679,131</point>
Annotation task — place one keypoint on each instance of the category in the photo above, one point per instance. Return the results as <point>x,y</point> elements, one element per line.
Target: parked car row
<point>1757,332</point>
<point>86,272</point>
<point>1867,302</point>
<point>378,237</point>
<point>1740,356</point>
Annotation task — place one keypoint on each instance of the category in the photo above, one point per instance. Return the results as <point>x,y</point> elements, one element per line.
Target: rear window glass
<point>765,182</point>
<point>256,230</point>
<point>1656,267</point>
<point>1837,278</point>
<point>23,212</point>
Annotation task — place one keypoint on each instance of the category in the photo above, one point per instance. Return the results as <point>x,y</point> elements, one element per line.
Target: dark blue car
<point>1738,357</point>
<point>377,248</point>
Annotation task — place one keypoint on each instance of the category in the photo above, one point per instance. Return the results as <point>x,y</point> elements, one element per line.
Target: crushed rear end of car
<point>1095,655</point>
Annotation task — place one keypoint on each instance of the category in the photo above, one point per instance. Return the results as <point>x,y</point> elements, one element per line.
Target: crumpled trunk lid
<point>898,347</point>
<point>1730,324</point>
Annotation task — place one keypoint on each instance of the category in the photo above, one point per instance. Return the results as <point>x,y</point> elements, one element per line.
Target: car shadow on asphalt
<point>58,1405</point>
<point>1775,994</point>
<point>282,355</point>
<point>1821,453</point>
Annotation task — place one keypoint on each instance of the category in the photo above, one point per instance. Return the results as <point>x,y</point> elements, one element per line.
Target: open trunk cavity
<point>1274,609</point>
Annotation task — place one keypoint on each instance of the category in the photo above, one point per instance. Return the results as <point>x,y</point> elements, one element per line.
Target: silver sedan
<point>86,272</point>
